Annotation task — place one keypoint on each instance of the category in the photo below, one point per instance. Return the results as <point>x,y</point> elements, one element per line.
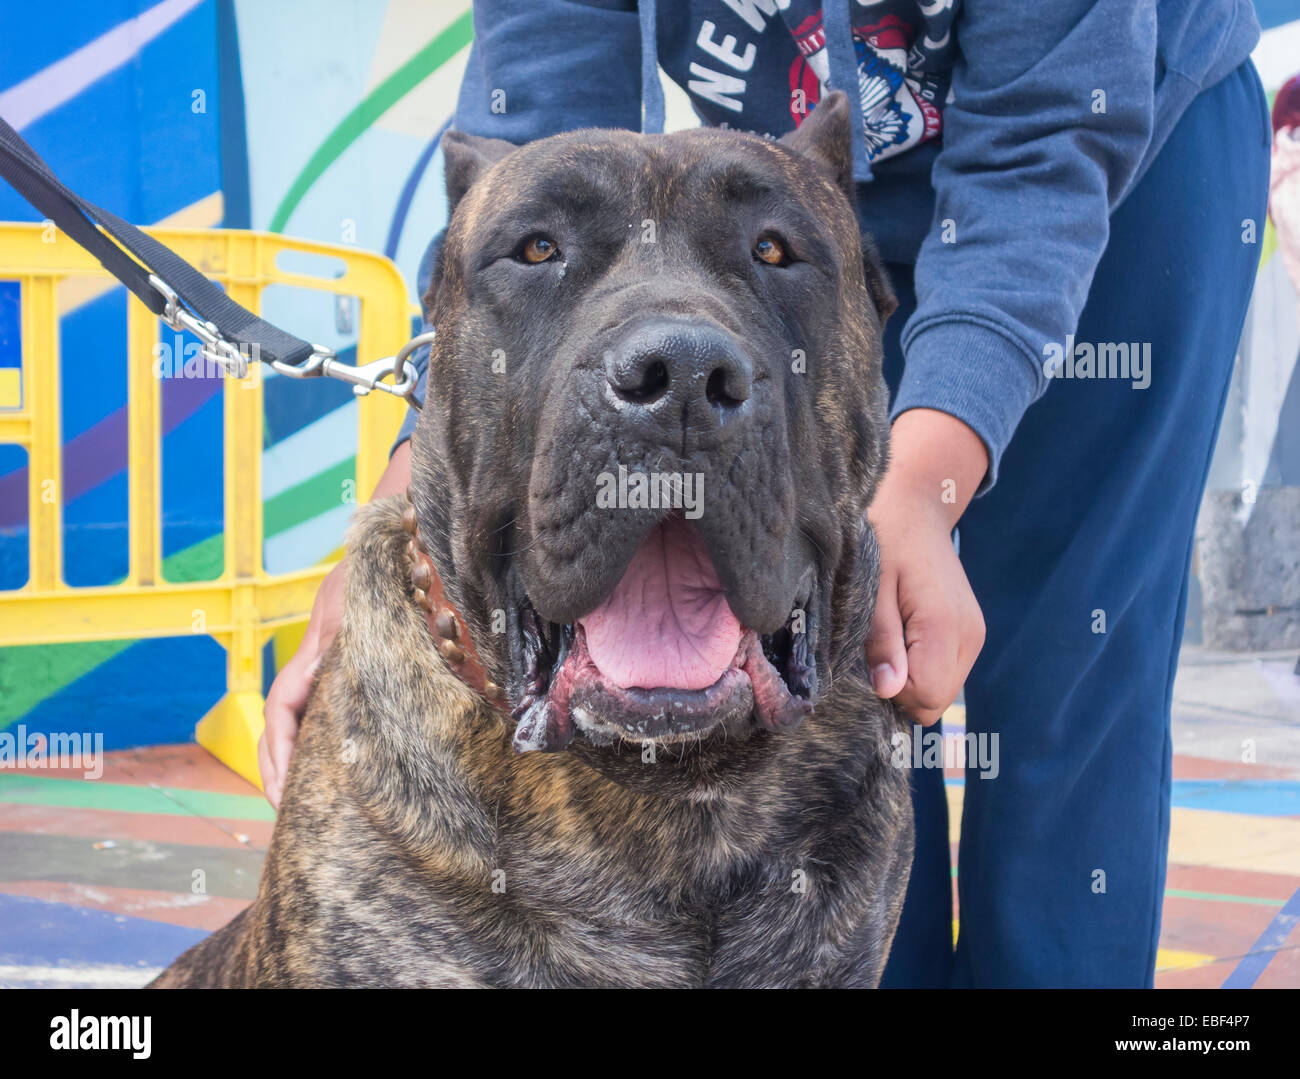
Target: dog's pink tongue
<point>667,623</point>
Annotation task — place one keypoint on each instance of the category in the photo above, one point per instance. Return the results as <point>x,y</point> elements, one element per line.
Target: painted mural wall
<point>317,118</point>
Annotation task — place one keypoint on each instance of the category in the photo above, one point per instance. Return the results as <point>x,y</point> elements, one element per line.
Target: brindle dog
<point>706,796</point>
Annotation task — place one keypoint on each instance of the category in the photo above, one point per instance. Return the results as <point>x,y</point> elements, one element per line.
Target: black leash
<point>179,294</point>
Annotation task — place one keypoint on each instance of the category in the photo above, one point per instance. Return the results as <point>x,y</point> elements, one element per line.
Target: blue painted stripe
<point>63,80</point>
<point>11,324</point>
<point>121,696</point>
<point>408,192</point>
<point>1262,951</point>
<point>1259,797</point>
<point>36,931</point>
<point>150,94</point>
<point>38,35</point>
<point>1256,797</point>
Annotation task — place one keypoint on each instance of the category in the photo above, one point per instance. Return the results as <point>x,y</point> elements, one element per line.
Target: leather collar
<point>447,626</point>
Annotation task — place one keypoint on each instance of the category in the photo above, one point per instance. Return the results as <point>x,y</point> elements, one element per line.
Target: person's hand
<point>289,691</point>
<point>292,686</point>
<point>927,628</point>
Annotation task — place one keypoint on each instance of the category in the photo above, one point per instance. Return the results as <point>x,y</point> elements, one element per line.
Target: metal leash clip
<point>215,348</point>
<point>366,376</point>
<point>323,361</point>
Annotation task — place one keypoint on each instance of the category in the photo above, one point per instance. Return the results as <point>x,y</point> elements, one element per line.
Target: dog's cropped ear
<point>825,136</point>
<point>878,283</point>
<point>468,157</point>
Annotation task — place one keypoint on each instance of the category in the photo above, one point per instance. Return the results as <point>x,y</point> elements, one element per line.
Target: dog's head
<point>654,420</point>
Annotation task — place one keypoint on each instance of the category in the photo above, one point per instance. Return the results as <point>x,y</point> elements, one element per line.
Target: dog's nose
<point>678,372</point>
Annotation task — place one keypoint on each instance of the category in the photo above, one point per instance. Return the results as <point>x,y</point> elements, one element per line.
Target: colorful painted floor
<point>103,882</point>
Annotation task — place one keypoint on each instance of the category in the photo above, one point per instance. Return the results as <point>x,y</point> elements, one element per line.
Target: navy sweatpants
<point>1062,855</point>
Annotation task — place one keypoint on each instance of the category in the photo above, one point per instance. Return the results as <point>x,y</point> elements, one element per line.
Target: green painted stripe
<point>203,561</point>
<point>383,97</point>
<point>1221,897</point>
<point>311,498</point>
<point>31,672</point>
<point>27,789</point>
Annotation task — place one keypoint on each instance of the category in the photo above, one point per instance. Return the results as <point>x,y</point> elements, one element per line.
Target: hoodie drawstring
<point>652,93</point>
<point>843,63</point>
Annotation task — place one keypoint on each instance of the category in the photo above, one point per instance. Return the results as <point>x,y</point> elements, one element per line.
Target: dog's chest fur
<point>415,848</point>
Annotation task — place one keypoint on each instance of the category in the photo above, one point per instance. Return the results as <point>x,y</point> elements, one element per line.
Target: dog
<point>663,764</point>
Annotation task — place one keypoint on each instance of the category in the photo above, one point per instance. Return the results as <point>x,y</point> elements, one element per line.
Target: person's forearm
<point>397,476</point>
<point>1033,162</point>
<point>934,457</point>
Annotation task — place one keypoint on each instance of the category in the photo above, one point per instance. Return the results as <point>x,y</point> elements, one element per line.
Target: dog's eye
<point>538,249</point>
<point>770,250</point>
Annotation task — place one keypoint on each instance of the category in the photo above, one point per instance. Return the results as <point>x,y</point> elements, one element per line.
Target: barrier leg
<point>230,732</point>
<point>231,729</point>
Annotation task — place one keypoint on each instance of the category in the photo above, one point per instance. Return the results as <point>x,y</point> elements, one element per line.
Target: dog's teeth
<point>538,730</point>
<point>530,731</point>
<point>529,624</point>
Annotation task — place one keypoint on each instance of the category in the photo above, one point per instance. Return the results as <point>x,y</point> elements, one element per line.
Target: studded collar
<point>448,627</point>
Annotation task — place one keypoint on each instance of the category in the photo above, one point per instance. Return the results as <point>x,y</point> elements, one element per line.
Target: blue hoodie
<point>997,136</point>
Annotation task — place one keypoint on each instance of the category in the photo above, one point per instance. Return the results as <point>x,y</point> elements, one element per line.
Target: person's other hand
<point>288,697</point>
<point>927,628</point>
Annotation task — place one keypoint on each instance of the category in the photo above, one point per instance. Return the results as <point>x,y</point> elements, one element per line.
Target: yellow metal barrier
<point>245,604</point>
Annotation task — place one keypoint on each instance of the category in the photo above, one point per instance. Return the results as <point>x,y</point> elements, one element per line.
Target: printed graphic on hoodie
<point>904,60</point>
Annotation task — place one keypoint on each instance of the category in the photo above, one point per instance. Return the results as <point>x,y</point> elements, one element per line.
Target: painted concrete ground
<point>103,882</point>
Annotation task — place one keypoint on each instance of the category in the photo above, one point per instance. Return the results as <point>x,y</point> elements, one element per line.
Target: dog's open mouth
<point>662,658</point>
